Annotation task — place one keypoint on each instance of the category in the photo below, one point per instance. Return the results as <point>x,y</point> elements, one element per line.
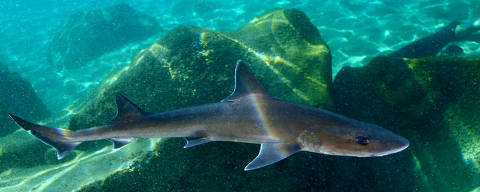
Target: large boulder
<point>21,150</point>
<point>431,101</point>
<point>192,66</point>
<point>18,97</point>
<point>89,34</point>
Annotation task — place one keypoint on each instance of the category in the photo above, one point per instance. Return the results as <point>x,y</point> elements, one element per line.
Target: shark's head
<point>355,138</point>
<point>374,140</point>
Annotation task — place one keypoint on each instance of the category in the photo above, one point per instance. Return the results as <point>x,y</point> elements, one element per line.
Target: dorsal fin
<point>245,82</point>
<point>126,110</point>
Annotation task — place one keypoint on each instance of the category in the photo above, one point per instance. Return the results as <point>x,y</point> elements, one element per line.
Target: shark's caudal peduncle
<point>248,115</point>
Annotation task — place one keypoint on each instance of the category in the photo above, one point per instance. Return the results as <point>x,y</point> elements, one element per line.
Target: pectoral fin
<point>194,141</point>
<point>271,153</point>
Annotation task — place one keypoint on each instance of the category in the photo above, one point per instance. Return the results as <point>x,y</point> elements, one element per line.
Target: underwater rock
<point>431,101</point>
<point>453,51</point>
<point>290,51</point>
<point>192,66</point>
<point>213,167</point>
<point>89,34</point>
<point>18,97</point>
<point>20,150</point>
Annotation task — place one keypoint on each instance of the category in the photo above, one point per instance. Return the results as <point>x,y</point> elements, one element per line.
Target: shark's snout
<point>402,144</point>
<point>395,145</point>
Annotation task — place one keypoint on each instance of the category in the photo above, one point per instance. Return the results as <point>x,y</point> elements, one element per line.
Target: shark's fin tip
<point>62,154</point>
<point>271,153</point>
<point>245,83</point>
<point>120,142</point>
<point>194,141</point>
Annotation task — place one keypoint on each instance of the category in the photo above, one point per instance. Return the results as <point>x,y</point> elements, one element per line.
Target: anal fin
<point>120,142</point>
<point>271,153</point>
<point>194,141</point>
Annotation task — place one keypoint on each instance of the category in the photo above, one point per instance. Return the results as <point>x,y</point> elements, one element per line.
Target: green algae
<point>288,43</point>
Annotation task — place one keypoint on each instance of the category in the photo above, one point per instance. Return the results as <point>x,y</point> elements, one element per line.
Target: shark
<point>249,115</point>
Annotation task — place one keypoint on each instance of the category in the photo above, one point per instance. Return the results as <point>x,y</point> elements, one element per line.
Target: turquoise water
<point>355,31</point>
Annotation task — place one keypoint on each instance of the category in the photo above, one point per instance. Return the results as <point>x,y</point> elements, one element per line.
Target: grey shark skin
<point>248,115</point>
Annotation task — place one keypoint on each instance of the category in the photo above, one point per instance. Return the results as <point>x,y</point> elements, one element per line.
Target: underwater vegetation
<point>432,101</point>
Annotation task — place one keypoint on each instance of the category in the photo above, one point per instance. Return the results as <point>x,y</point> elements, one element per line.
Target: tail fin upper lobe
<point>60,139</point>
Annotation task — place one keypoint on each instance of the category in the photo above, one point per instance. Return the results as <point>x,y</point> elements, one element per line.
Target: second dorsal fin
<point>126,110</point>
<point>245,83</point>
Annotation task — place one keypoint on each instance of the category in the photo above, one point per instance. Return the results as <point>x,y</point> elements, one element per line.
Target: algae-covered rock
<point>191,66</point>
<point>434,103</point>
<point>21,150</point>
<point>292,50</point>
<point>18,97</point>
<point>89,34</point>
<point>212,167</point>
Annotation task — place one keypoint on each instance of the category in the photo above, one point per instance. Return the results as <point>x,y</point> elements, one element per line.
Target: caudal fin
<point>55,137</point>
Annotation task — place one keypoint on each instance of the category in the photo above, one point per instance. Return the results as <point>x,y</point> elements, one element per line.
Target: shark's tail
<point>60,139</point>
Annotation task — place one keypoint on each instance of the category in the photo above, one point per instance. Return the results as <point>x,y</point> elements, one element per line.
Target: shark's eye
<point>362,140</point>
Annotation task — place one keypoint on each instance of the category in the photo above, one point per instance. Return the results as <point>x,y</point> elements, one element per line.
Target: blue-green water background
<point>355,31</point>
